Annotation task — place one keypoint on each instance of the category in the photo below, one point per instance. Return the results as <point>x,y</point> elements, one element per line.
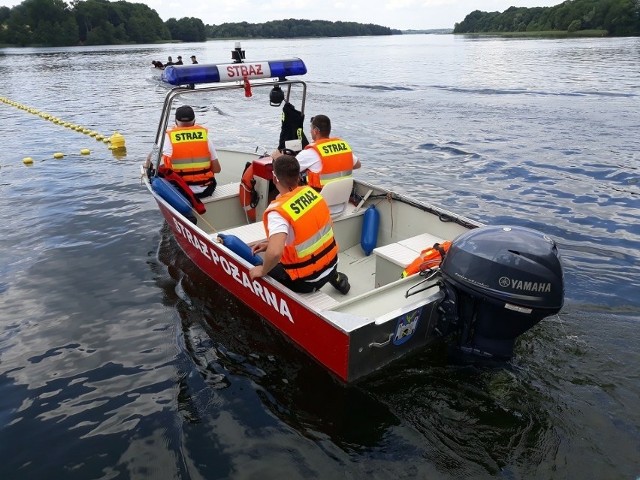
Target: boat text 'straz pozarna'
<point>494,283</point>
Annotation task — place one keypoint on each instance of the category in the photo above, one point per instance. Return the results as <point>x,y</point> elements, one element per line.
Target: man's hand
<point>259,247</point>
<point>256,272</point>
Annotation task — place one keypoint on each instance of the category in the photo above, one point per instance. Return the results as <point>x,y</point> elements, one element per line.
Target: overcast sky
<point>400,14</point>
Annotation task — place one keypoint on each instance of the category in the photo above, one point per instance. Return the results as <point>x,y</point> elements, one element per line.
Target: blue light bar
<point>232,72</point>
<point>287,68</point>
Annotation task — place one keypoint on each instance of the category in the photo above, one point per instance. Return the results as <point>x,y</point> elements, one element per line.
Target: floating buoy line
<point>115,142</point>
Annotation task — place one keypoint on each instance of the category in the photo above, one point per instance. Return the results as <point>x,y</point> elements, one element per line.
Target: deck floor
<point>360,270</point>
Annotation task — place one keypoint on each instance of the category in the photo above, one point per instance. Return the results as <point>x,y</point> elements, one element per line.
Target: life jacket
<point>337,161</point>
<point>191,158</point>
<point>182,186</point>
<point>429,258</point>
<point>247,192</point>
<point>314,248</point>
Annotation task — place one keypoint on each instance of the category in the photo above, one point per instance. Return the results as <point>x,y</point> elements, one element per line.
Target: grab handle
<point>381,344</point>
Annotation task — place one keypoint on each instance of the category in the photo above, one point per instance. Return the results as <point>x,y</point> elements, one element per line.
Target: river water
<point>118,359</point>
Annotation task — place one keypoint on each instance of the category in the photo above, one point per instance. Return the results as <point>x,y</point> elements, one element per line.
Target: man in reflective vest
<point>189,151</point>
<point>325,159</point>
<point>300,251</point>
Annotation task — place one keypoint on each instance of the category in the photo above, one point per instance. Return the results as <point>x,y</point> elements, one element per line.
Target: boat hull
<point>314,334</point>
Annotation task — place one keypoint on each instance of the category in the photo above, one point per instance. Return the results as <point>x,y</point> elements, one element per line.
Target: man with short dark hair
<point>300,251</point>
<point>193,60</point>
<point>179,62</point>
<point>189,151</point>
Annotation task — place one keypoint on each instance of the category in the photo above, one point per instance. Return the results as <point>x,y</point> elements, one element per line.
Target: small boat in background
<point>493,284</point>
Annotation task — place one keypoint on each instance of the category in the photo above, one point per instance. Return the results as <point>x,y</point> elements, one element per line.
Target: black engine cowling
<point>499,281</point>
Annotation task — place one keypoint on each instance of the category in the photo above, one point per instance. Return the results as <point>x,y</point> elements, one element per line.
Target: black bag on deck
<point>292,123</point>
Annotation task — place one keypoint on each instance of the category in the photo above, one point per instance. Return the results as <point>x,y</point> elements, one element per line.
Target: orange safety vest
<point>337,161</point>
<point>191,157</point>
<point>315,247</point>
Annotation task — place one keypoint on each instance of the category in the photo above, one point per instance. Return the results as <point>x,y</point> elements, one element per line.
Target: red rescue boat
<point>494,283</point>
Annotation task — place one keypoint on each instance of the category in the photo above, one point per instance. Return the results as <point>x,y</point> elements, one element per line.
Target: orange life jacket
<point>337,161</point>
<point>191,157</point>
<point>429,258</point>
<point>314,247</point>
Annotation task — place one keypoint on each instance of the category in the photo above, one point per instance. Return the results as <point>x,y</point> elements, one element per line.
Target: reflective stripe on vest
<point>314,247</point>
<point>337,161</point>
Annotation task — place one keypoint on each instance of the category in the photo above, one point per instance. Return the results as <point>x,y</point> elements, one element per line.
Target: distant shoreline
<point>542,34</point>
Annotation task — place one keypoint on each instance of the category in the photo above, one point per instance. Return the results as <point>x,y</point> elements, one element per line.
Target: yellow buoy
<point>117,141</point>
<point>27,160</point>
<point>99,137</point>
<point>58,155</point>
<point>85,151</point>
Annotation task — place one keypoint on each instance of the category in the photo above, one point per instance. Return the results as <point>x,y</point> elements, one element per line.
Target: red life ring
<point>247,192</point>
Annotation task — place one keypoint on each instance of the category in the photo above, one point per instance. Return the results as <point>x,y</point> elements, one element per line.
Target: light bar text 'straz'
<point>231,72</point>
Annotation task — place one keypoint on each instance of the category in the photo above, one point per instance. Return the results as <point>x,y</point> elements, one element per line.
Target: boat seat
<point>249,234</point>
<point>392,259</point>
<point>405,251</point>
<point>228,190</point>
<point>337,194</point>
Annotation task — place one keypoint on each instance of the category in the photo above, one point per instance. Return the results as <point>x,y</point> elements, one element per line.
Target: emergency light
<point>232,72</point>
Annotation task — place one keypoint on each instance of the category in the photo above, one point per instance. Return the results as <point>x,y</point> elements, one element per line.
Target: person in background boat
<point>300,251</point>
<point>325,158</point>
<point>179,62</point>
<point>193,60</point>
<point>189,151</point>
<point>169,62</point>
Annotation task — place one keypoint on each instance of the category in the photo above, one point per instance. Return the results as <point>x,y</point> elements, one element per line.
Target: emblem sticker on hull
<point>406,326</point>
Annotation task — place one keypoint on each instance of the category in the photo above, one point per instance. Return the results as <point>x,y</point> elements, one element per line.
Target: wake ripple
<point>519,91</point>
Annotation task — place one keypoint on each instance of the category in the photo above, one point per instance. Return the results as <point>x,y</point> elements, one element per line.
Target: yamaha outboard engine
<point>499,282</point>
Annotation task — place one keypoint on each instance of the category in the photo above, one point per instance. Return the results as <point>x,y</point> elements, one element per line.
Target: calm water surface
<point>118,359</point>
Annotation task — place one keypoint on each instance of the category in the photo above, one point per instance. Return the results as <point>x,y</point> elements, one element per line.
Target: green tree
<point>574,26</point>
<point>618,17</point>
<point>45,22</point>
<point>118,22</point>
<point>187,29</point>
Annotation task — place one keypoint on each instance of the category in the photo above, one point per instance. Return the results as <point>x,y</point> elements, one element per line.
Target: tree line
<point>101,22</point>
<point>615,17</point>
<point>292,28</point>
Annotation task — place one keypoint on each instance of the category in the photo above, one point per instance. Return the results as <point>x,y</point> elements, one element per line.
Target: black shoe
<point>341,283</point>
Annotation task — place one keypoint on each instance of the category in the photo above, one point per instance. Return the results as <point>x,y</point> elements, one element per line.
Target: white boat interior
<point>376,279</point>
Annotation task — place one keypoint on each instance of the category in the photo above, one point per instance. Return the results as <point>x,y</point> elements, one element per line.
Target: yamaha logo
<point>506,282</point>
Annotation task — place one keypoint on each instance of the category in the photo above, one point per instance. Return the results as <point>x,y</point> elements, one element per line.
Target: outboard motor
<point>499,282</point>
